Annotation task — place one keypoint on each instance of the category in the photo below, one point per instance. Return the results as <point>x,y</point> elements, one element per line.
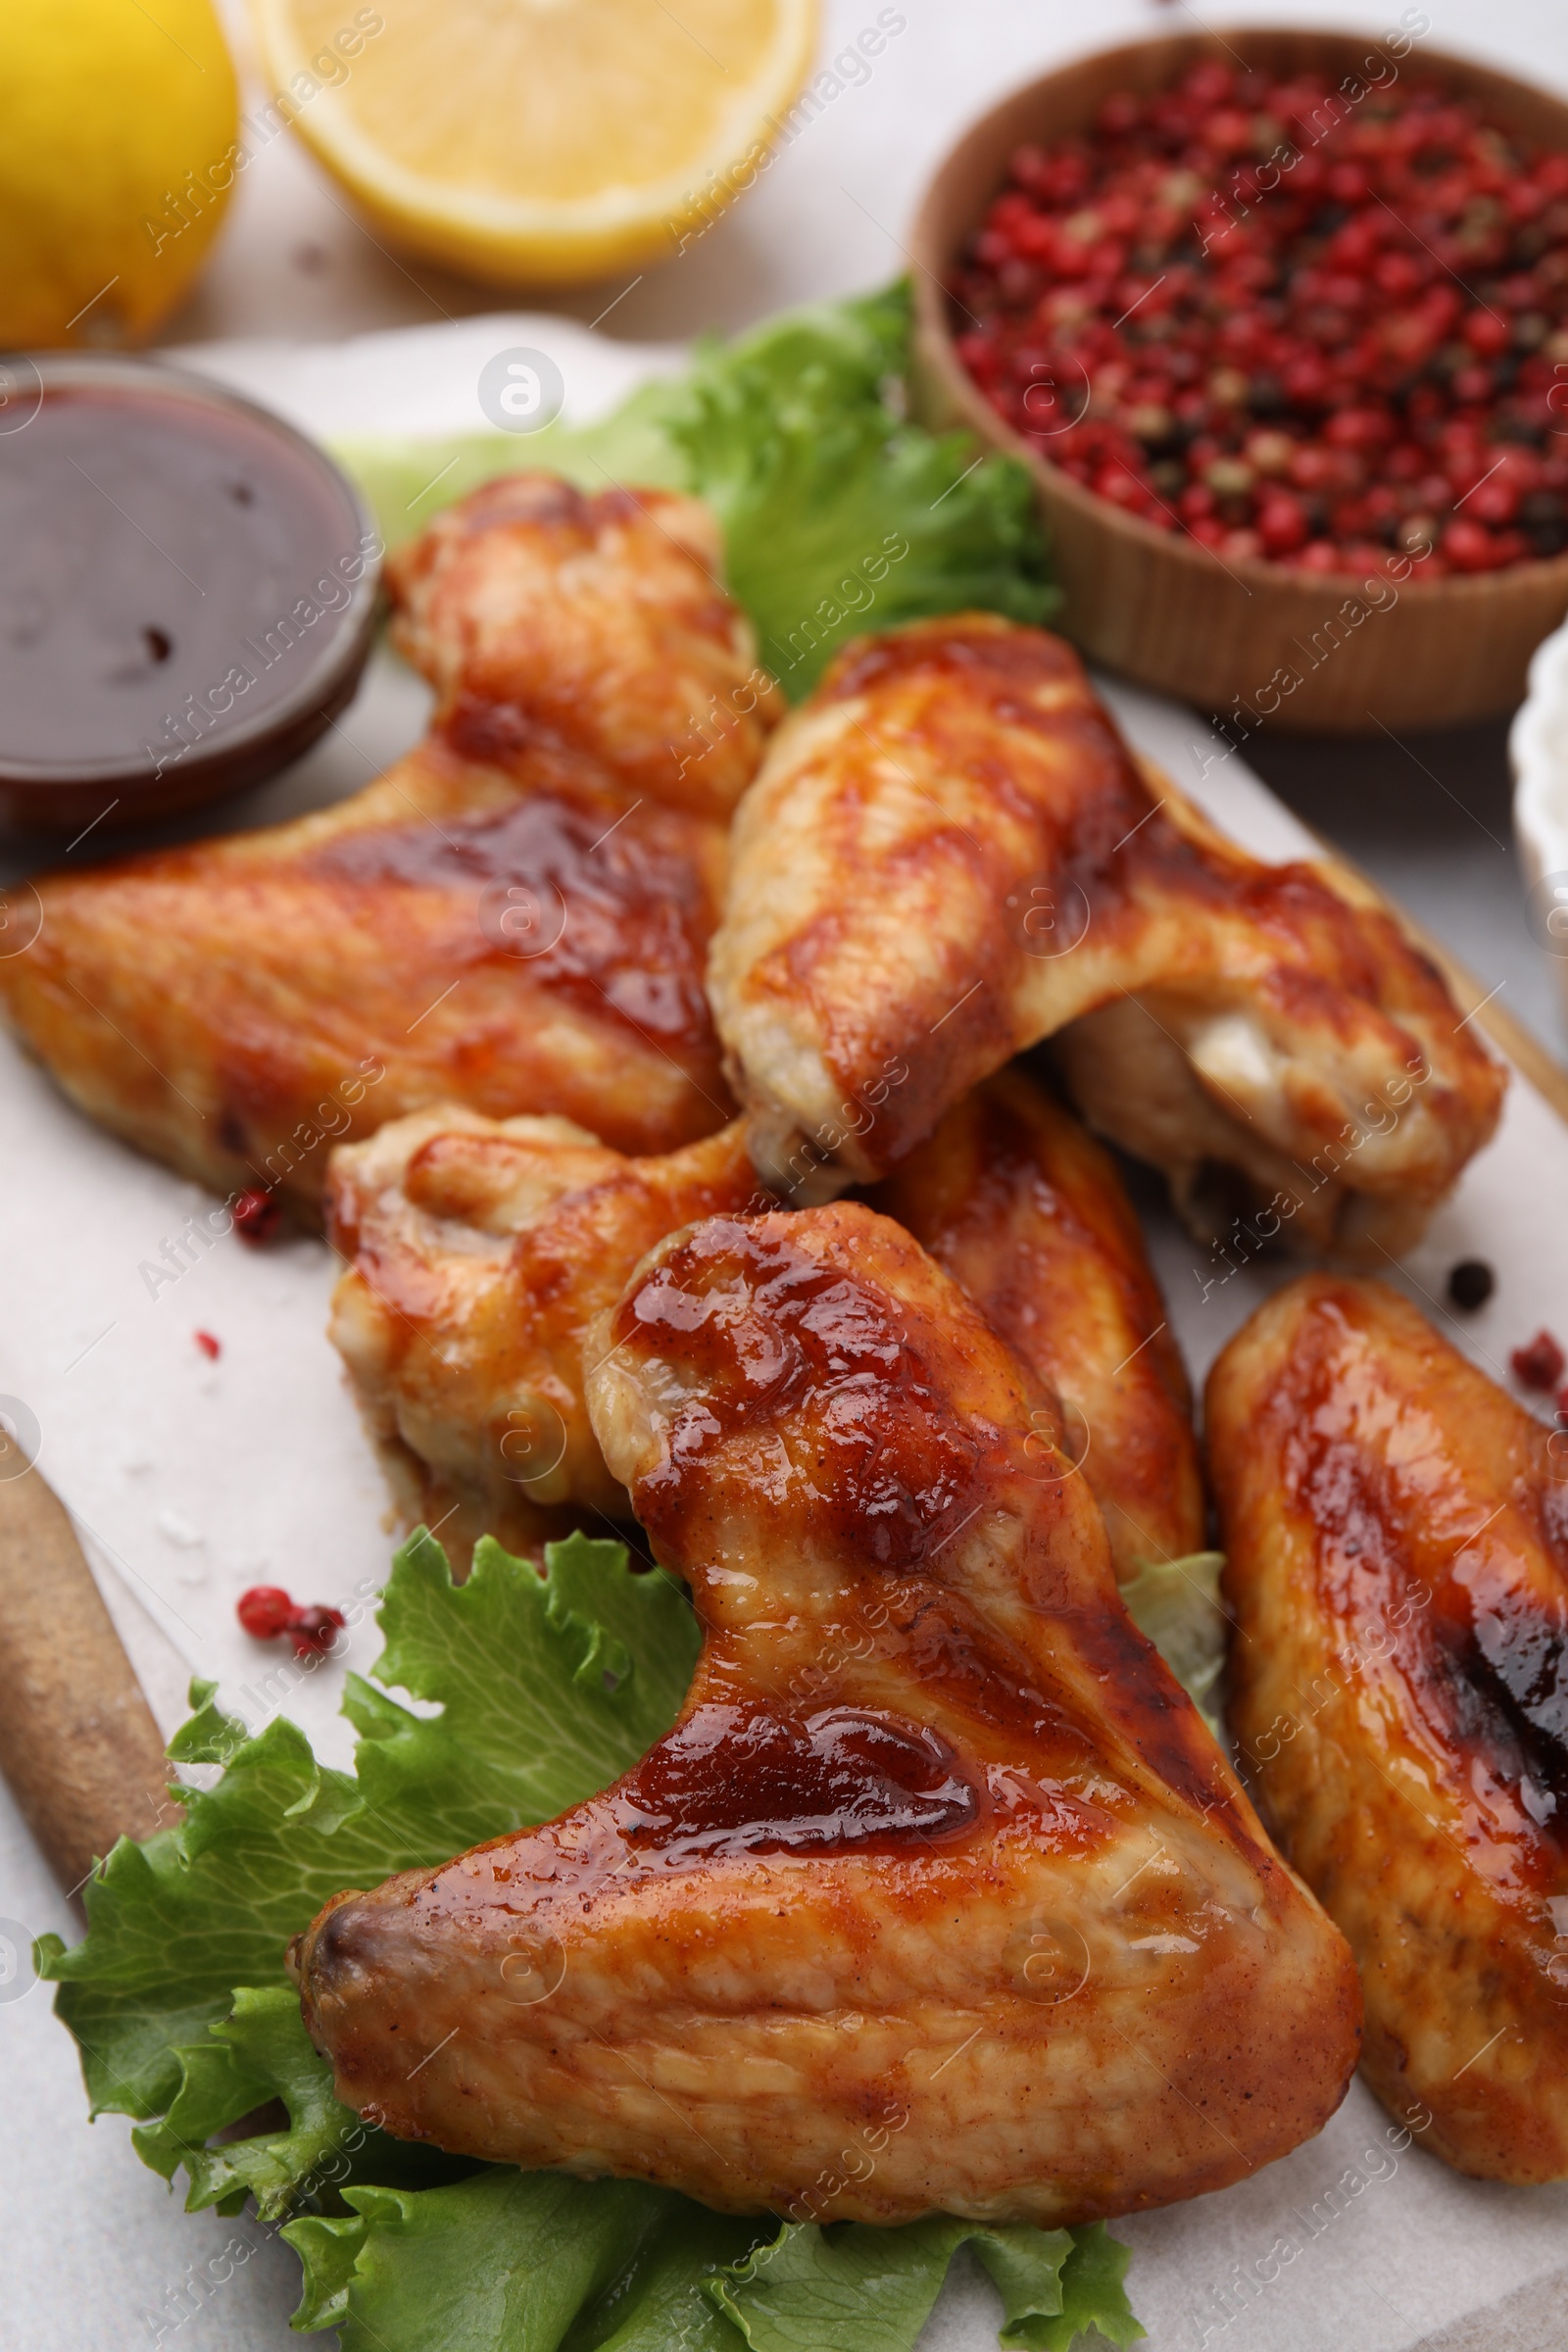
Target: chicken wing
<point>449,933</point>
<point>1028,1215</point>
<point>594,624</point>
<point>480,1253</point>
<point>1397,1538</point>
<point>939,1894</point>
<point>514,918</point>
<point>949,854</point>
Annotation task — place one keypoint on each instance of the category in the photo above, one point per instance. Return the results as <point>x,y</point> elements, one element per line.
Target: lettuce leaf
<point>584,1669</point>
<point>839,516</point>
<point>648,2272</point>
<point>859,2289</point>
<point>548,1686</point>
<point>837,513</point>
<point>407,480</point>
<point>519,2262</point>
<point>1177,1603</point>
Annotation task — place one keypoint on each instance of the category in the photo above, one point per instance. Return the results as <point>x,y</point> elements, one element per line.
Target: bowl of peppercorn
<point>1278,322</point>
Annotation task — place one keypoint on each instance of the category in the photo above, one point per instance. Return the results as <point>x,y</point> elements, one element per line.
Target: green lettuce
<point>545,1688</point>
<point>1177,1603</point>
<point>860,2289</point>
<point>837,513</point>
<point>560,1711</point>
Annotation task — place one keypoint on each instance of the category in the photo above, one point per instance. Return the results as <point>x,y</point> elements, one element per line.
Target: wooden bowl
<point>1159,606</point>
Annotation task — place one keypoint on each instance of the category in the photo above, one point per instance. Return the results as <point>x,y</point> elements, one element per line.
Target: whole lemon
<point>117,150</point>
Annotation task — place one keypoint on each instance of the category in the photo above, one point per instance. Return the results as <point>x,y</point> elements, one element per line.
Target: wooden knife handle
<point>78,1741</point>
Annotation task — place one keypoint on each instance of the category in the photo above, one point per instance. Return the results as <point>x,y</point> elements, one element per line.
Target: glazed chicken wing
<point>1028,1215</point>
<point>480,1253</point>
<point>949,854</point>
<point>939,1896</point>
<point>1397,1538</point>
<point>596,624</point>
<point>515,918</point>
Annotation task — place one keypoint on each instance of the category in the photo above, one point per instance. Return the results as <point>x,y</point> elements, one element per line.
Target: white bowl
<point>1537,746</point>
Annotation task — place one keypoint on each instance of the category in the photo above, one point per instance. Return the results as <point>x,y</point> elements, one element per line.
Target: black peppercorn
<point>1471,1284</point>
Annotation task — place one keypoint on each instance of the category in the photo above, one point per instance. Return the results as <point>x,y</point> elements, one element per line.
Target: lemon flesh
<point>115,166</point>
<point>537,141</point>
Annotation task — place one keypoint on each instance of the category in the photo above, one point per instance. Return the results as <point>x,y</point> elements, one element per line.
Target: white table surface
<point>95,2255</point>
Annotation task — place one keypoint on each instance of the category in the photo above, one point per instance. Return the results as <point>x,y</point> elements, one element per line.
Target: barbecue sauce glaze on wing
<point>1027,1212</point>
<point>1397,1536</point>
<point>480,1251</point>
<point>939,1867</point>
<point>949,854</point>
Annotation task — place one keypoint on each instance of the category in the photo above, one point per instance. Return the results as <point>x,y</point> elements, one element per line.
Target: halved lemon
<point>539,141</point>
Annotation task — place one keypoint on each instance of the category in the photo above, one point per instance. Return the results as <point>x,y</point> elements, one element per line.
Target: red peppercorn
<point>212,1348</point>
<point>257,1217</point>
<point>1467,546</point>
<point>312,1630</point>
<point>1311,467</point>
<point>1486,333</point>
<point>1541,1364</point>
<point>1494,501</point>
<point>1118,485</point>
<point>264,1611</point>
<point>1281,522</point>
<point>1359,429</point>
<point>1398,273</point>
<point>1332,313</point>
<point>1119,114</point>
<point>1473,384</point>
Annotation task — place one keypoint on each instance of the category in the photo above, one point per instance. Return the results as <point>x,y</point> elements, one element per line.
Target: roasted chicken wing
<point>594,624</point>
<point>480,1253</point>
<point>1397,1538</point>
<point>1028,1214</point>
<point>449,933</point>
<point>949,854</point>
<point>939,1896</point>
<point>514,918</point>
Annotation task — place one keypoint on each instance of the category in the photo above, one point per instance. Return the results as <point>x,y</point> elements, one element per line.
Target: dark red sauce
<point>187,583</point>
<point>1155,1714</point>
<point>500,734</point>
<point>736,1780</point>
<point>772,1334</point>
<point>614,916</point>
<point>951,1651</point>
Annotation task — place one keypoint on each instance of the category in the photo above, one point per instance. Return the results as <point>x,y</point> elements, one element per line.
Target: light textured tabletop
<point>96,2256</point>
